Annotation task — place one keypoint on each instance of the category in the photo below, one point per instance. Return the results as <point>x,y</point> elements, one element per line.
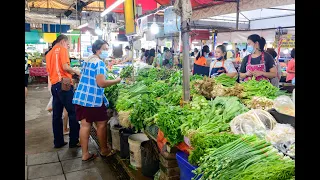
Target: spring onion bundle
<point>235,157</point>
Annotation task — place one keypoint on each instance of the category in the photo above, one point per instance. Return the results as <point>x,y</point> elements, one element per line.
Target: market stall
<point>182,137</point>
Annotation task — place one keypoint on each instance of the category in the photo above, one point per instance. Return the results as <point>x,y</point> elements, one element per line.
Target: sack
<point>65,84</point>
<point>49,106</point>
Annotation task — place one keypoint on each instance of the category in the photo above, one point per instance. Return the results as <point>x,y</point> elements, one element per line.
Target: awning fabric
<point>32,37</point>
<point>49,37</point>
<point>147,5</point>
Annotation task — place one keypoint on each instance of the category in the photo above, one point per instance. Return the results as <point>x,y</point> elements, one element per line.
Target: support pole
<point>60,23</point>
<point>238,11</point>
<point>185,64</point>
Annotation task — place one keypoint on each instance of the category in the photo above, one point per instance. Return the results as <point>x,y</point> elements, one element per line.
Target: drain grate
<point>116,168</point>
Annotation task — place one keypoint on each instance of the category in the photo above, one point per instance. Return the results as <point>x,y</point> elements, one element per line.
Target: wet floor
<point>43,162</point>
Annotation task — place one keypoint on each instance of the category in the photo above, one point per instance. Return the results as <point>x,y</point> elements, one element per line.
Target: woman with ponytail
<point>257,64</point>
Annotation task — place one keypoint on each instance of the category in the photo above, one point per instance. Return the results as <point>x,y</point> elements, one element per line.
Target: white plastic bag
<point>255,121</point>
<point>284,105</point>
<point>49,106</point>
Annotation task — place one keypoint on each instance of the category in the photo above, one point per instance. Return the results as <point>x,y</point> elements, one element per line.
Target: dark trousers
<point>60,100</point>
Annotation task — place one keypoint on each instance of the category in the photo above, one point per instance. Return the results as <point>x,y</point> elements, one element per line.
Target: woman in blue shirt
<point>90,101</point>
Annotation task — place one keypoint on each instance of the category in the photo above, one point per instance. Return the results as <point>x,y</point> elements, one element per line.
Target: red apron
<point>256,67</point>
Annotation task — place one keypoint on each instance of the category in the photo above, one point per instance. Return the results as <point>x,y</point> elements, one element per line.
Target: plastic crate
<point>185,167</point>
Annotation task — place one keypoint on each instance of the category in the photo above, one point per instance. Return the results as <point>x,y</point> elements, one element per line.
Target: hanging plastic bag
<point>284,105</point>
<point>49,106</point>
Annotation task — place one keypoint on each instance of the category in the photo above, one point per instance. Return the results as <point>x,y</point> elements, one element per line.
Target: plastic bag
<point>49,106</point>
<point>281,133</point>
<point>255,121</point>
<point>284,105</point>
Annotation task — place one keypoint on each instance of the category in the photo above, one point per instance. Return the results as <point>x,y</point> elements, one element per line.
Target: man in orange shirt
<point>58,67</point>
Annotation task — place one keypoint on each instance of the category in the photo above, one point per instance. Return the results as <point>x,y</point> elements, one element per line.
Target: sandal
<point>112,152</point>
<point>92,157</point>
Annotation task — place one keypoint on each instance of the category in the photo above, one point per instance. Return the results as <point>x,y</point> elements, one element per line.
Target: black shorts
<point>26,80</point>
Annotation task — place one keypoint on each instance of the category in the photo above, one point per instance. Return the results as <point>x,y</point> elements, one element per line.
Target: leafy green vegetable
<point>201,142</point>
<point>169,120</point>
<point>259,88</point>
<point>146,106</point>
<point>235,157</point>
<point>126,72</point>
<point>225,80</point>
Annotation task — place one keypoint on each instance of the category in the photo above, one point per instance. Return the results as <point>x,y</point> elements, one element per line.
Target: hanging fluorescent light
<point>110,8</point>
<point>154,28</point>
<point>83,25</point>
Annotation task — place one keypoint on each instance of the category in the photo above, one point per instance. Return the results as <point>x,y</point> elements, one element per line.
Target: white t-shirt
<point>228,65</point>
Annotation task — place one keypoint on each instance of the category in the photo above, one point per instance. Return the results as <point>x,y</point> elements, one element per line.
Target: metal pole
<point>60,23</point>
<point>185,64</point>
<point>237,23</point>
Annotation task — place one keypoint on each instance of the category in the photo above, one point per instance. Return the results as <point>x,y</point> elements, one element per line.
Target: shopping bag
<point>49,106</point>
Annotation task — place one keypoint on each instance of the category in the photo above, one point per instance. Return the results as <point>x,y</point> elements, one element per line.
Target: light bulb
<point>41,40</point>
<point>154,28</point>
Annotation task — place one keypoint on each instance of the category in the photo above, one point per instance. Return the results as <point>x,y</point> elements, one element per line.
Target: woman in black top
<point>258,64</point>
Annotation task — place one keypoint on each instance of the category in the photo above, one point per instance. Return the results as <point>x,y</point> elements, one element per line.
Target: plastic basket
<point>185,167</point>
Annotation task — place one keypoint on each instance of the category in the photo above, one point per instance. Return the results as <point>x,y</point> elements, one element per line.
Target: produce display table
<point>38,74</point>
<point>38,71</point>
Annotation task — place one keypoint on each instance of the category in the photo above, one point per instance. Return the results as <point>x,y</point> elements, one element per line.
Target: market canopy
<point>263,18</point>
<point>65,4</point>
<point>147,5</point>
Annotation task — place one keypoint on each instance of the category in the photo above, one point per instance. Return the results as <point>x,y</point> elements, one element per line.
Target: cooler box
<point>185,167</point>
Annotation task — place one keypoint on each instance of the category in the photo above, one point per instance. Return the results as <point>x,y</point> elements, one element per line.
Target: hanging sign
<point>172,21</point>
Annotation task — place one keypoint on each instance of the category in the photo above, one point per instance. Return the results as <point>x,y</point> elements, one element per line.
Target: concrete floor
<point>43,162</point>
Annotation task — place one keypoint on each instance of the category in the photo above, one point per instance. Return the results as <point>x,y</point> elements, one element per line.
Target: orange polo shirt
<point>55,59</point>
<point>202,61</point>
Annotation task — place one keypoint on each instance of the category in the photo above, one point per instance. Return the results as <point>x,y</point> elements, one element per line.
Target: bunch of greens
<point>231,159</point>
<point>202,142</point>
<point>228,107</point>
<point>176,78</point>
<point>196,77</point>
<point>169,120</point>
<point>174,96</point>
<point>145,107</point>
<point>199,102</point>
<point>225,80</point>
<point>259,88</point>
<point>276,170</point>
<point>159,88</point>
<point>151,74</point>
<point>124,102</point>
<point>165,73</point>
<point>213,119</point>
<point>112,92</point>
<point>126,72</point>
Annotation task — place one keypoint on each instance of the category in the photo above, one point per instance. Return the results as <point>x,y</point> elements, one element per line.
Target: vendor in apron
<point>221,65</point>
<point>257,64</point>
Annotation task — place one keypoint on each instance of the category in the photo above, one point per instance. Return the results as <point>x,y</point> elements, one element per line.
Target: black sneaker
<point>60,146</point>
